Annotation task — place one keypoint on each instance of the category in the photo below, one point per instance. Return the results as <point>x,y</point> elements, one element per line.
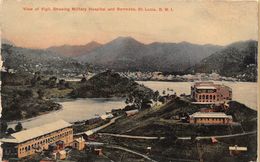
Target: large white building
<point>31,141</point>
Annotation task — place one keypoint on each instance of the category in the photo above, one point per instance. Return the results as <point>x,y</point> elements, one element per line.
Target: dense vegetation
<point>33,60</point>
<point>25,95</point>
<point>20,100</point>
<point>238,60</point>
<point>108,84</point>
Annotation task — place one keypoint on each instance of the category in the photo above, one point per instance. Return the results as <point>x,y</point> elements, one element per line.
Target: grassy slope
<point>158,121</point>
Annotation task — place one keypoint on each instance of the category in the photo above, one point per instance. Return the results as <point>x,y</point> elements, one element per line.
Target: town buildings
<point>31,141</point>
<point>79,143</point>
<point>210,118</point>
<point>208,92</point>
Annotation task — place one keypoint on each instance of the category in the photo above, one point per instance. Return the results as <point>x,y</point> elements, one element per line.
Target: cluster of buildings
<point>56,136</point>
<point>171,77</point>
<point>53,136</point>
<point>208,93</point>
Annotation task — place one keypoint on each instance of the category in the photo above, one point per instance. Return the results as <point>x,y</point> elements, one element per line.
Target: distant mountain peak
<point>74,50</point>
<point>185,42</point>
<point>94,42</point>
<point>125,39</point>
<point>6,41</point>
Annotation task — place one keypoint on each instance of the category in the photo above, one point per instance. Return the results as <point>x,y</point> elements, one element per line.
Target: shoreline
<point>14,122</point>
<point>32,118</point>
<point>66,99</point>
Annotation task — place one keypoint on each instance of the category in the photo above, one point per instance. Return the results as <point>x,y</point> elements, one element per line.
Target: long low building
<point>31,141</point>
<point>210,118</point>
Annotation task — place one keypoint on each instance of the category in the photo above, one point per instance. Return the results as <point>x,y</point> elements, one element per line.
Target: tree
<point>4,126</point>
<point>52,82</point>
<point>28,93</point>
<point>62,83</point>
<point>139,99</point>
<point>33,81</point>
<point>83,80</point>
<point>129,99</point>
<point>18,127</point>
<point>156,96</point>
<point>146,104</point>
<point>40,93</point>
<point>10,131</point>
<point>67,85</point>
<point>164,92</point>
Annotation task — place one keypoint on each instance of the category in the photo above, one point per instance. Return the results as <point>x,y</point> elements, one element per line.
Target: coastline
<point>73,110</point>
<point>32,118</point>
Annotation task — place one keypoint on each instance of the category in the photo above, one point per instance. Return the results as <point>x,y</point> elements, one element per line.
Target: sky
<point>200,22</point>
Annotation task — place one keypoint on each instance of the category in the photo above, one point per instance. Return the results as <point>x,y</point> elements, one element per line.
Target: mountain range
<point>126,53</point>
<point>74,50</point>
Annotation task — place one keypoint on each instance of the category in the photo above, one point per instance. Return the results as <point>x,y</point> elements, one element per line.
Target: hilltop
<point>238,60</point>
<point>108,84</point>
<point>74,50</point>
<point>160,121</point>
<point>32,60</point>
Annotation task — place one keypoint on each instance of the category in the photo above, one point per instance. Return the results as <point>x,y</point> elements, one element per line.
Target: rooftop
<point>206,87</point>
<point>36,131</point>
<point>210,115</point>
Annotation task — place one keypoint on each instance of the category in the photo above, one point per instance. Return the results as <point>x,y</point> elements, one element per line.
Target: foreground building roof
<point>32,133</point>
